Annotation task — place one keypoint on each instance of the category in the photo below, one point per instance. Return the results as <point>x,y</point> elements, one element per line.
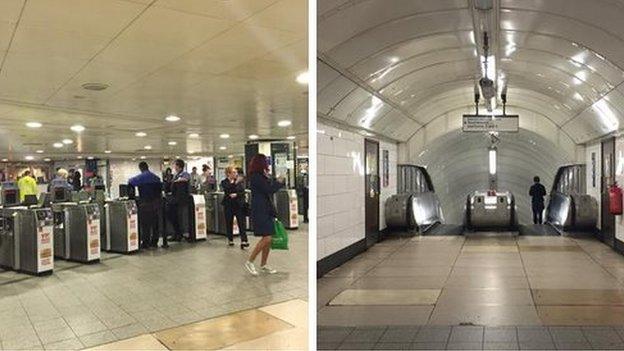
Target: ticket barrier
<point>198,225</point>
<point>76,228</point>
<point>122,226</point>
<point>287,207</point>
<point>26,240</point>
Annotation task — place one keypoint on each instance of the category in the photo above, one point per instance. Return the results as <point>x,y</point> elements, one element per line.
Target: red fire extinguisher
<point>615,199</point>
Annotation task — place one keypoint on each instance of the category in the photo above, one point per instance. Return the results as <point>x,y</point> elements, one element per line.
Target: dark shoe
<point>165,246</point>
<point>244,245</point>
<point>230,243</point>
<point>176,238</point>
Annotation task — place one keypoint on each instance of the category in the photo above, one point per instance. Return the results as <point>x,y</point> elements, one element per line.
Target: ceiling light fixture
<point>172,143</point>
<point>253,137</point>
<point>143,157</point>
<point>140,134</point>
<point>39,151</point>
<point>193,135</point>
<point>303,78</point>
<point>222,148</point>
<point>291,137</point>
<point>284,123</point>
<point>90,158</point>
<point>29,158</point>
<point>47,159</point>
<point>107,151</point>
<point>68,141</point>
<point>33,125</point>
<point>58,145</point>
<point>77,128</point>
<point>79,157</point>
<point>224,136</point>
<point>147,147</point>
<point>172,118</point>
<point>5,160</point>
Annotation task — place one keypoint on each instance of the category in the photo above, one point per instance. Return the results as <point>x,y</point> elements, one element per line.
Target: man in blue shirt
<point>180,200</point>
<point>150,206</point>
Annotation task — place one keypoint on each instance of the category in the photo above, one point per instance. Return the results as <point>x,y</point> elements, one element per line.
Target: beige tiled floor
<point>486,279</point>
<point>281,326</point>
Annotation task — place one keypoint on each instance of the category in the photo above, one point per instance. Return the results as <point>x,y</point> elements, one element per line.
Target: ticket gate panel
<point>198,218</point>
<point>122,229</point>
<point>287,208</point>
<point>26,240</point>
<point>211,207</point>
<point>77,231</point>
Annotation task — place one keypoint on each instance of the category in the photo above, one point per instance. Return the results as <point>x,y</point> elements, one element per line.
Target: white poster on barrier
<point>93,240</point>
<point>45,249</point>
<point>200,217</point>
<point>133,232</point>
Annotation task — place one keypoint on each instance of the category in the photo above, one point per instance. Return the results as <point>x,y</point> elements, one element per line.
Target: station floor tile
<point>386,297</point>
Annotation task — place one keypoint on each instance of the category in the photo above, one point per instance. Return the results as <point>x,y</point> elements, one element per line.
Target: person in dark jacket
<point>180,194</point>
<point>76,181</point>
<point>150,206</point>
<point>262,211</point>
<point>537,193</point>
<point>234,205</point>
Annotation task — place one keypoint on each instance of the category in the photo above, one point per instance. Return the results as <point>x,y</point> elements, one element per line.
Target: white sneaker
<point>267,270</point>
<point>251,268</point>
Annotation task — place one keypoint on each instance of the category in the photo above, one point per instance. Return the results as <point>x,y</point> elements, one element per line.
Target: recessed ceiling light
<point>77,128</point>
<point>141,134</point>
<point>5,160</point>
<point>68,141</point>
<point>47,159</point>
<point>107,151</point>
<point>172,143</point>
<point>172,118</point>
<point>29,158</point>
<point>193,135</point>
<point>253,137</point>
<point>303,77</point>
<point>147,147</point>
<point>222,148</point>
<point>94,86</point>
<point>284,123</point>
<point>33,125</point>
<point>291,137</point>
<point>58,145</point>
<point>230,156</point>
<point>39,151</point>
<point>143,157</point>
<point>224,136</point>
<point>79,157</point>
<point>90,158</point>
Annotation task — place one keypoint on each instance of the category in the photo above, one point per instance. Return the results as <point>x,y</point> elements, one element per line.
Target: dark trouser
<point>239,213</point>
<point>149,220</point>
<point>178,218</point>
<point>537,214</point>
<point>305,206</point>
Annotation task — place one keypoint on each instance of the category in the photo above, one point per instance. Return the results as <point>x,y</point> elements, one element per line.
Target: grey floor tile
<point>399,334</point>
<point>21,344</point>
<point>54,335</point>
<point>501,346</point>
<point>537,345</point>
<point>602,336</point>
<point>429,334</point>
<point>466,334</point>
<point>99,338</point>
<point>393,346</point>
<point>429,345</point>
<point>327,345</point>
<point>365,335</point>
<point>88,328</point>
<point>500,335</point>
<point>464,346</point>
<point>567,334</point>
<point>534,335</point>
<point>573,345</point>
<point>70,344</point>
<point>357,346</point>
<point>333,334</point>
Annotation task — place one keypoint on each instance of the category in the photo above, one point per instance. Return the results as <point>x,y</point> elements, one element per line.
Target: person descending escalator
<point>537,193</point>
<point>150,206</point>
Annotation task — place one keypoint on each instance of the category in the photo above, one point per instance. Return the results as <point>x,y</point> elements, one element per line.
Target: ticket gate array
<point>76,231</point>
<point>26,240</point>
<point>121,233</point>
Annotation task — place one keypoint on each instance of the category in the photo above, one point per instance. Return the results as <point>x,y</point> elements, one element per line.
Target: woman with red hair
<point>262,210</point>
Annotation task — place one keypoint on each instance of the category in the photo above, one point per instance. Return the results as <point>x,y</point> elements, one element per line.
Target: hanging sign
<point>492,123</point>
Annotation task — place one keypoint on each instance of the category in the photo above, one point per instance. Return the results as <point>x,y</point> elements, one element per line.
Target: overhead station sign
<point>491,123</point>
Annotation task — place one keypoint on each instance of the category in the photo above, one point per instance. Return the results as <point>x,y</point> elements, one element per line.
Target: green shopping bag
<point>280,238</point>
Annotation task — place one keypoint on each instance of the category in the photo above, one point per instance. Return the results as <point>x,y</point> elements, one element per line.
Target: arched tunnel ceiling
<point>393,68</point>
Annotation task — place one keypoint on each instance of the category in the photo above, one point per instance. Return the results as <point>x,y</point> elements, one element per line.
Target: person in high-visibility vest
<point>27,186</point>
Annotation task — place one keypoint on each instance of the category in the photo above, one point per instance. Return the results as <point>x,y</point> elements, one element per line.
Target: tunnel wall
<point>340,188</point>
<point>458,165</point>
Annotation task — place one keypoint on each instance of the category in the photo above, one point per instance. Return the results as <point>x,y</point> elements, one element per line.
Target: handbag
<point>279,240</point>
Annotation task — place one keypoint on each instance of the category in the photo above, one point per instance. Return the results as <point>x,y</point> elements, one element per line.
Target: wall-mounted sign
<point>386,168</point>
<point>496,123</point>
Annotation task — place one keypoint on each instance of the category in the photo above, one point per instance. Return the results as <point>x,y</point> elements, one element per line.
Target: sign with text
<point>495,123</point>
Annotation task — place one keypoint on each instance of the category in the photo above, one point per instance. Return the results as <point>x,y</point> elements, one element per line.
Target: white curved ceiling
<point>223,66</point>
<point>395,67</point>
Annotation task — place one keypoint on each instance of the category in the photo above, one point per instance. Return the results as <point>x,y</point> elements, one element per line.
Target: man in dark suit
<point>537,193</point>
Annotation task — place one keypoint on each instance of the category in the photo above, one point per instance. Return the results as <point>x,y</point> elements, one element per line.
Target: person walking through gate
<point>537,193</point>
<point>262,211</point>
<point>234,205</point>
<point>150,206</point>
